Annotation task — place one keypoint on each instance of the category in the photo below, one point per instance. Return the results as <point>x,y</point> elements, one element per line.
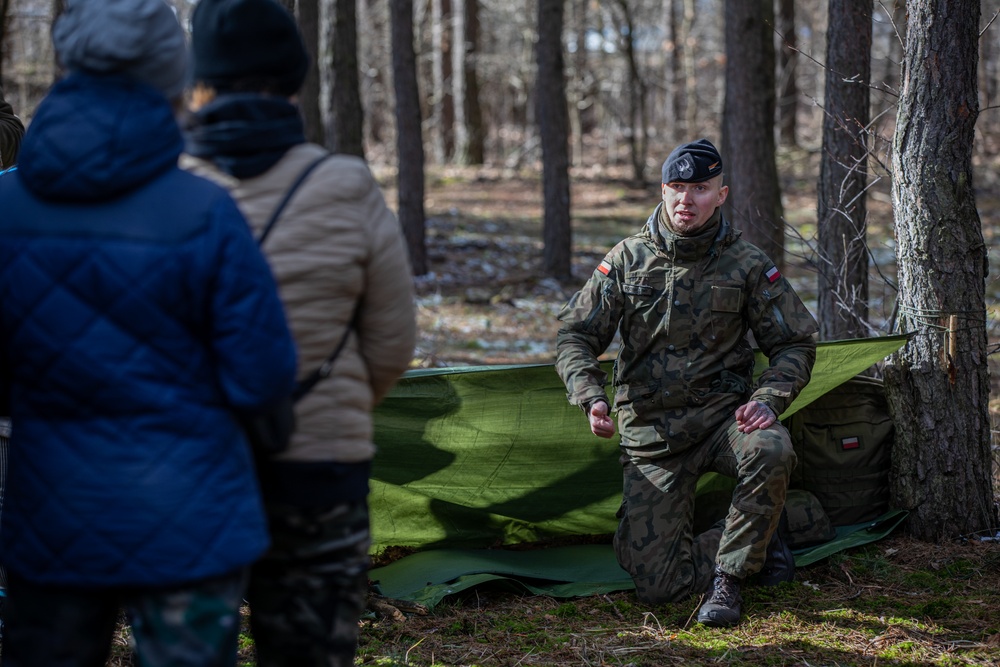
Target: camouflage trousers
<point>308,592</point>
<point>196,624</point>
<point>655,541</point>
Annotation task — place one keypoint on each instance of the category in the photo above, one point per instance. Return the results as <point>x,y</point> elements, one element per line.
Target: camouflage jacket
<point>684,306</point>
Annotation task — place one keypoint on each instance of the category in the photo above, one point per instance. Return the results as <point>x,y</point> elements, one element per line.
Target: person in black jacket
<point>11,131</point>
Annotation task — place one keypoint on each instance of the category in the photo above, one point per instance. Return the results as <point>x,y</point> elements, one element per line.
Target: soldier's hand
<point>754,415</point>
<point>600,423</point>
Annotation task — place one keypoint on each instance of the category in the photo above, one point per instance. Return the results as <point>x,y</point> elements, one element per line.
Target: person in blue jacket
<point>137,320</point>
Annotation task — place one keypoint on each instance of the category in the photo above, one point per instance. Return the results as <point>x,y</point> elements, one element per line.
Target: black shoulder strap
<point>288,197</point>
<point>326,368</point>
<point>304,387</point>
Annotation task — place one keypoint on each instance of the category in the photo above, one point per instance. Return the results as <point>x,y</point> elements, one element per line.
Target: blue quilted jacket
<point>136,313</point>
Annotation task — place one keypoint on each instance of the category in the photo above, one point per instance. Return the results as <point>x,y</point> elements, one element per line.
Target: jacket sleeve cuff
<point>587,404</point>
<point>778,404</point>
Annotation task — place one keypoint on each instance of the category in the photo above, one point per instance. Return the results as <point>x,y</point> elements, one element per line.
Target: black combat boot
<point>779,563</point>
<point>722,608</point>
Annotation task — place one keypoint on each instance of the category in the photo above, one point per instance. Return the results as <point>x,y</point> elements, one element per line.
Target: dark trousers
<point>655,541</point>
<point>193,625</point>
<point>308,592</point>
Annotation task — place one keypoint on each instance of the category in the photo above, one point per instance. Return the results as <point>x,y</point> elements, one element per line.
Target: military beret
<point>693,162</point>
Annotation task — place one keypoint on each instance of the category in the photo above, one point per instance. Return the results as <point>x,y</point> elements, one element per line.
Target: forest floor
<point>486,301</point>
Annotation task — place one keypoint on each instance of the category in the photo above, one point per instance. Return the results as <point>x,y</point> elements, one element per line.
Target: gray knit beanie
<point>139,38</point>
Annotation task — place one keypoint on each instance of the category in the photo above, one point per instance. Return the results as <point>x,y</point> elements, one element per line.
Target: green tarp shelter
<point>427,577</point>
<point>478,457</point>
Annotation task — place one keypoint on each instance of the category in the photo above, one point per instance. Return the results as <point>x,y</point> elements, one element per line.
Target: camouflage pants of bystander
<point>308,593</point>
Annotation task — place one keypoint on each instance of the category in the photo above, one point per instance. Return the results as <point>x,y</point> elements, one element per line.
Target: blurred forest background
<point>518,140</point>
<point>639,77</point>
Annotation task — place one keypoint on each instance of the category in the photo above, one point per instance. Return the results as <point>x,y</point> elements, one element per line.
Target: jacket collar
<point>716,234</point>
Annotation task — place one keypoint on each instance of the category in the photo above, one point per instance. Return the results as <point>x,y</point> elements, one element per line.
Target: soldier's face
<point>690,205</point>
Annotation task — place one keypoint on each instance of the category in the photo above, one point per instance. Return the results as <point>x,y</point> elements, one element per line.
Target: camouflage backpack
<point>843,441</point>
<point>808,522</point>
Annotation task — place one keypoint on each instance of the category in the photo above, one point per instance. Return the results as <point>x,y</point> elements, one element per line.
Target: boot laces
<point>725,589</point>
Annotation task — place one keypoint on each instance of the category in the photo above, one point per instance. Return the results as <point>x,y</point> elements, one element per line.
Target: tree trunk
<point>987,91</point>
<point>577,87</point>
<point>636,134</point>
<point>938,384</point>
<point>461,128</point>
<point>309,96</point>
<point>841,192</point>
<point>58,7</point>
<point>674,80</point>
<point>475,149</point>
<point>409,136</point>
<point>348,116</point>
<point>4,23</point>
<point>553,127</point>
<point>754,202</point>
<point>443,107</point>
<point>690,71</point>
<point>788,89</point>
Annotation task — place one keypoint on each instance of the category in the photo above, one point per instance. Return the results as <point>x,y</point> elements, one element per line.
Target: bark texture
<point>841,192</point>
<point>348,116</point>
<point>938,384</point>
<point>553,123</point>
<point>409,135</point>
<point>754,202</point>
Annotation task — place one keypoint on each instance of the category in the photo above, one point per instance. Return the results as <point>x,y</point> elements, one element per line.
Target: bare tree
<point>345,106</point>
<point>442,102</point>
<point>637,116</point>
<point>474,151</point>
<point>553,127</point>
<point>788,57</point>
<point>690,70</point>
<point>4,24</point>
<point>458,45</point>
<point>841,191</point>
<point>58,7</point>
<point>673,71</point>
<point>938,385</point>
<point>748,126</point>
<point>309,97</point>
<point>409,136</point>
<point>580,82</point>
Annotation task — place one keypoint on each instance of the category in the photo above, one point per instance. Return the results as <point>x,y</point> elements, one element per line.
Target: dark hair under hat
<point>235,41</point>
<point>692,163</point>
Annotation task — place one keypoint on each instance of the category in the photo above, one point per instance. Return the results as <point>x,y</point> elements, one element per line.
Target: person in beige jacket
<point>340,259</point>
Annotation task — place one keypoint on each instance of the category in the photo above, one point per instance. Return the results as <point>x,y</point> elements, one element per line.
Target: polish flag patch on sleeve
<point>604,267</point>
<point>773,274</point>
<point>851,442</point>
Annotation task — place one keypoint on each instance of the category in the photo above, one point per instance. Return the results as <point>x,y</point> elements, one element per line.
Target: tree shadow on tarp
<point>405,453</point>
<point>522,518</point>
<point>487,457</point>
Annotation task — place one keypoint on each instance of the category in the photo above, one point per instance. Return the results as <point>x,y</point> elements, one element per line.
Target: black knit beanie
<point>235,41</point>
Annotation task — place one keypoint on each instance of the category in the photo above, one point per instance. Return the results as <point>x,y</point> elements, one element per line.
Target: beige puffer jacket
<point>335,244</point>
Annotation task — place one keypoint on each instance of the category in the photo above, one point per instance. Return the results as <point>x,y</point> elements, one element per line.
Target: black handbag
<point>269,431</point>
